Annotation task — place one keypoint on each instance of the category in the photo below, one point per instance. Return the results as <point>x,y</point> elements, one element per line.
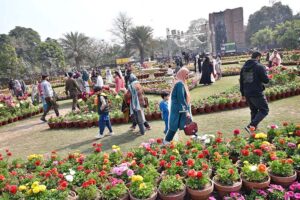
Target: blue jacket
<point>179,107</point>
<point>164,108</point>
<point>252,77</point>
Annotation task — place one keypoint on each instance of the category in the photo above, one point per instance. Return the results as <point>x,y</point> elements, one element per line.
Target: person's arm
<point>180,95</point>
<point>103,102</point>
<point>241,83</point>
<point>262,73</point>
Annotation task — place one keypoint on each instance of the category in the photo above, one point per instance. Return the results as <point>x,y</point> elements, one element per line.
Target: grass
<point>31,136</point>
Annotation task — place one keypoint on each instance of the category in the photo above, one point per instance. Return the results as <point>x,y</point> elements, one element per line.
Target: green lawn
<point>31,136</point>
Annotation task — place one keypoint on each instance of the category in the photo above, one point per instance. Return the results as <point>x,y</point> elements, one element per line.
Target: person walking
<point>119,82</point>
<point>164,108</point>
<point>48,95</point>
<point>11,86</point>
<point>99,80</point>
<point>253,76</point>
<point>275,58</point>
<point>207,71</point>
<point>18,88</point>
<point>72,90</point>
<point>103,111</point>
<point>218,67</point>
<point>179,105</point>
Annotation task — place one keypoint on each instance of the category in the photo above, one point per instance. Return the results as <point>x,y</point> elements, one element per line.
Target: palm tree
<point>75,45</point>
<point>140,37</point>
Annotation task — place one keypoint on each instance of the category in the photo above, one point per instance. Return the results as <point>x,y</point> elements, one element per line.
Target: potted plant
<point>282,172</point>
<point>114,189</point>
<point>171,188</point>
<point>222,103</point>
<point>88,190</point>
<point>51,123</point>
<point>227,180</point>
<point>140,190</point>
<point>235,145</point>
<point>255,176</point>
<point>199,186</point>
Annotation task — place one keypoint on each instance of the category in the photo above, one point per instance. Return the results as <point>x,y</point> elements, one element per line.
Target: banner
<point>121,61</point>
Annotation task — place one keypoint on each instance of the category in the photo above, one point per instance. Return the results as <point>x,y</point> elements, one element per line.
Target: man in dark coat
<point>253,76</point>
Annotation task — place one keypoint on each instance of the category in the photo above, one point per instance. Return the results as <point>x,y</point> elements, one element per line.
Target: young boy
<point>103,111</point>
<point>164,108</point>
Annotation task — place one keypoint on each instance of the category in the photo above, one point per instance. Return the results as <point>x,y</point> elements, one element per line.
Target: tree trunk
<point>77,63</point>
<point>142,55</point>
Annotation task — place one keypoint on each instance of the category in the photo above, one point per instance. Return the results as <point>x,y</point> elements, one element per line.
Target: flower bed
<point>209,168</point>
<point>12,109</point>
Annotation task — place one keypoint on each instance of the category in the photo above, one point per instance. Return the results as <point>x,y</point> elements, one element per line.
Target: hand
<point>243,98</point>
<point>188,115</point>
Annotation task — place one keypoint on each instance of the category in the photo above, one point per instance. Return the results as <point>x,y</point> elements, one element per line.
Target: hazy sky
<point>53,18</point>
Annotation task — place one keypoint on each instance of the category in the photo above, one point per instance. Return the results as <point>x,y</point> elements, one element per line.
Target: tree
<point>74,45</point>
<point>263,38</point>
<point>9,62</point>
<point>197,34</point>
<point>140,38</point>
<point>50,55</point>
<point>267,16</point>
<point>287,34</point>
<point>122,25</point>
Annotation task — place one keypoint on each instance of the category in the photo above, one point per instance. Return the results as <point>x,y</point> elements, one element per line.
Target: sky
<point>94,18</point>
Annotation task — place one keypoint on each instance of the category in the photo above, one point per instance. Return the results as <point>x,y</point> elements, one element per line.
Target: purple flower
<point>292,187</point>
<point>234,194</point>
<point>291,145</point>
<point>211,198</point>
<point>262,193</point>
<point>55,162</point>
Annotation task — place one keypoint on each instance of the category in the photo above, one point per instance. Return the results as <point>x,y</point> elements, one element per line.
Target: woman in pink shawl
<point>179,105</point>
<point>120,84</point>
<point>275,59</point>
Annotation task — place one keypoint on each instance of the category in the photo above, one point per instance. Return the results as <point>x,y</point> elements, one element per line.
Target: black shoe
<point>43,119</point>
<point>247,128</point>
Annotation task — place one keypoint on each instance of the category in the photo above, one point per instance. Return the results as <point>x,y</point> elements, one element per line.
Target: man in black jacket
<point>253,76</point>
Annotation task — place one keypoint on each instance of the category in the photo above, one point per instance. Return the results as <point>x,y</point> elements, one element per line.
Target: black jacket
<point>252,77</point>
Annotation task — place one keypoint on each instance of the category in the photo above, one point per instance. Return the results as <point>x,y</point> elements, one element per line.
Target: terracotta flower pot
<point>89,124</point>
<point>235,104</point>
<point>298,174</point>
<point>51,125</point>
<point>118,120</point>
<point>95,123</point>
<point>207,109</point>
<point>223,190</point>
<point>176,196</point>
<point>256,185</point>
<point>63,125</point>
<point>215,108</point>
<point>201,194</point>
<point>194,111</point>
<point>201,110</point>
<point>222,106</point>
<point>229,106</point>
<point>273,98</point>
<point>69,124</point>
<point>242,104</point>
<point>283,181</point>
<point>153,196</point>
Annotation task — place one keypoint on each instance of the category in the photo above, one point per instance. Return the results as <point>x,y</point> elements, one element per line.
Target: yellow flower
<point>29,192</point>
<point>261,136</point>
<point>22,187</point>
<point>266,143</point>
<point>291,133</point>
<point>34,184</point>
<point>175,151</point>
<point>246,162</point>
<point>115,147</point>
<point>42,188</point>
<point>142,186</point>
<point>135,178</point>
<point>298,146</point>
<point>36,190</point>
<point>53,190</point>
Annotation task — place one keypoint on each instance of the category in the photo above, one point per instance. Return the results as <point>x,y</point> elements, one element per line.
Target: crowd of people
<point>175,106</point>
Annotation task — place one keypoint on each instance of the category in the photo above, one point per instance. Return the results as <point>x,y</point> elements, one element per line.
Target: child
<point>103,111</point>
<point>164,108</point>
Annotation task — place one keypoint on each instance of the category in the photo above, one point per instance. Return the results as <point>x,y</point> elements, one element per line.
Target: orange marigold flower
<point>262,168</point>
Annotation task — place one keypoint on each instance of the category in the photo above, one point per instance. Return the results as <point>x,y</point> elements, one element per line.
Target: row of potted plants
<point>211,168</point>
<point>13,109</point>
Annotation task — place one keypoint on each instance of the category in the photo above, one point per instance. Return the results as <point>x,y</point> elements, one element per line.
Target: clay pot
<point>229,106</point>
<point>242,104</point>
<point>222,106</point>
<point>207,109</point>
<point>298,174</point>
<point>153,196</point>
<point>235,104</point>
<point>63,125</point>
<point>95,123</point>
<point>51,125</point>
<point>118,120</point>
<point>223,190</point>
<point>255,185</point>
<point>283,181</point>
<point>215,108</point>
<point>176,196</point>
<point>69,124</point>
<point>194,111</point>
<point>201,194</point>
<point>273,98</point>
<point>89,124</point>
<point>4,122</point>
<point>200,110</point>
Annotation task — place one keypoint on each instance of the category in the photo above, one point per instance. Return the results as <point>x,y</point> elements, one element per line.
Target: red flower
<point>80,168</point>
<point>37,163</point>
<point>172,158</point>
<point>188,143</point>
<point>61,176</point>
<point>204,166</point>
<point>297,133</point>
<point>179,163</point>
<point>154,153</point>
<point>92,181</point>
<point>99,145</point>
<point>199,174</point>
<point>258,152</point>
<point>141,165</point>
<point>98,149</point>
<point>191,173</point>
<point>2,178</point>
<point>253,135</point>
<point>6,150</point>
<point>285,123</point>
<point>108,187</point>
<point>169,165</point>
<point>9,154</point>
<point>13,173</point>
<point>94,144</point>
<point>205,152</point>
<point>13,189</point>
<point>88,171</point>
<point>164,151</point>
<point>102,173</point>
<point>159,140</point>
<point>230,171</point>
<point>105,161</point>
<point>162,163</point>
<point>48,174</point>
<point>130,155</point>
<point>85,184</point>
<point>172,146</point>
<point>64,184</point>
<point>236,132</point>
<point>218,140</point>
<point>190,162</point>
<point>245,152</point>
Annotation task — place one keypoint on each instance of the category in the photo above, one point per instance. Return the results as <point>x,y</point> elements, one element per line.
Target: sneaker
<point>165,142</point>
<point>43,119</point>
<point>98,136</point>
<point>111,133</point>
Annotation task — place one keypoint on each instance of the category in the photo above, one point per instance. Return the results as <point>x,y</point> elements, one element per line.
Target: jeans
<point>259,109</point>
<point>104,121</point>
<point>51,103</point>
<point>139,120</point>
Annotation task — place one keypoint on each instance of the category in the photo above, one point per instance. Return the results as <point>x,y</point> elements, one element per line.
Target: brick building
<point>227,27</point>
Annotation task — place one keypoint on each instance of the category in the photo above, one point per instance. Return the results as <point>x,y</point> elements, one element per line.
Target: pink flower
<point>297,195</point>
<point>130,172</point>
<point>274,126</point>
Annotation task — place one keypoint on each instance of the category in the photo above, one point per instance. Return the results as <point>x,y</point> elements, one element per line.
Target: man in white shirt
<point>48,95</point>
<point>99,82</point>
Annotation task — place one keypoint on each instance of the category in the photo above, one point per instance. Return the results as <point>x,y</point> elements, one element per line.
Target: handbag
<point>190,128</point>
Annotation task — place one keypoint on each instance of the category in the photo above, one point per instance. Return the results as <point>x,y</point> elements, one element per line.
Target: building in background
<point>227,27</point>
